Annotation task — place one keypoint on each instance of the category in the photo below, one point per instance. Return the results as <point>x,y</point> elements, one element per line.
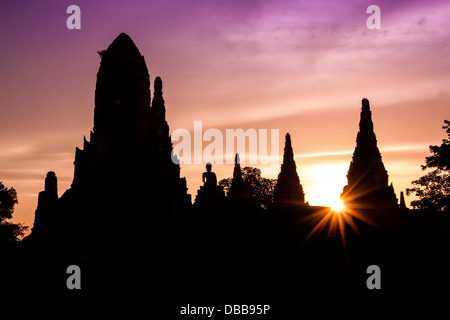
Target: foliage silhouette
<point>261,188</point>
<point>8,199</point>
<point>433,189</point>
<point>9,232</point>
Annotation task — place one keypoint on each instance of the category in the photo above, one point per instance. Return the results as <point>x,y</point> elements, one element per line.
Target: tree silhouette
<point>8,199</point>
<point>9,231</point>
<point>433,189</point>
<point>261,188</point>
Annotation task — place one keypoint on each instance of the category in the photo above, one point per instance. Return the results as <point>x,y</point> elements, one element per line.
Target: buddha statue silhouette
<point>210,196</point>
<point>209,178</point>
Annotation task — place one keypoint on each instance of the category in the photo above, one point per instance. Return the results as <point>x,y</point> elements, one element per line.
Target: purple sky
<point>298,66</point>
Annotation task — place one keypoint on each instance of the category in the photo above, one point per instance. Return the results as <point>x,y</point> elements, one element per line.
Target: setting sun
<point>324,183</point>
<point>337,205</point>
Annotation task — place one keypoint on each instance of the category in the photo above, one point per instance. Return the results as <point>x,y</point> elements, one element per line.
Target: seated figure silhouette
<point>210,195</point>
<point>209,178</point>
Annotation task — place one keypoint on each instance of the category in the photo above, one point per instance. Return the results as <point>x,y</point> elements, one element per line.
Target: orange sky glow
<point>297,67</point>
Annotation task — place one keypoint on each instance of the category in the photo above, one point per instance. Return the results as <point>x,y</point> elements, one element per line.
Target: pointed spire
<point>402,201</point>
<point>158,107</point>
<point>288,152</point>
<point>365,124</point>
<point>367,177</point>
<point>158,86</point>
<point>365,105</point>
<point>237,181</point>
<point>288,189</point>
<point>237,174</point>
<point>238,190</point>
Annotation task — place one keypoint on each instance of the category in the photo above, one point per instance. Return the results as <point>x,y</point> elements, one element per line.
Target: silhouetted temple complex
<point>127,188</point>
<point>288,189</point>
<point>368,182</point>
<point>127,229</point>
<point>125,171</point>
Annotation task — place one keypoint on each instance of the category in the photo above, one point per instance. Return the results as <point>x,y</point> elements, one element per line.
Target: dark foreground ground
<point>276,267</point>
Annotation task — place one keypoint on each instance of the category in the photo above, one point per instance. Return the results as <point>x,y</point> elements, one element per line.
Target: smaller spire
<point>238,189</point>
<point>237,174</point>
<point>288,188</point>
<point>365,105</point>
<point>158,86</point>
<point>402,201</point>
<point>288,138</point>
<point>366,123</point>
<point>288,156</point>
<point>158,106</point>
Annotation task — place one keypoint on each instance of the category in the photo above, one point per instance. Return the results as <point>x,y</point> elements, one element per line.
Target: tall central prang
<point>124,175</point>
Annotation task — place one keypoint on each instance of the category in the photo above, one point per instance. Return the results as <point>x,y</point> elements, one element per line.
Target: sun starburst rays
<point>337,222</point>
